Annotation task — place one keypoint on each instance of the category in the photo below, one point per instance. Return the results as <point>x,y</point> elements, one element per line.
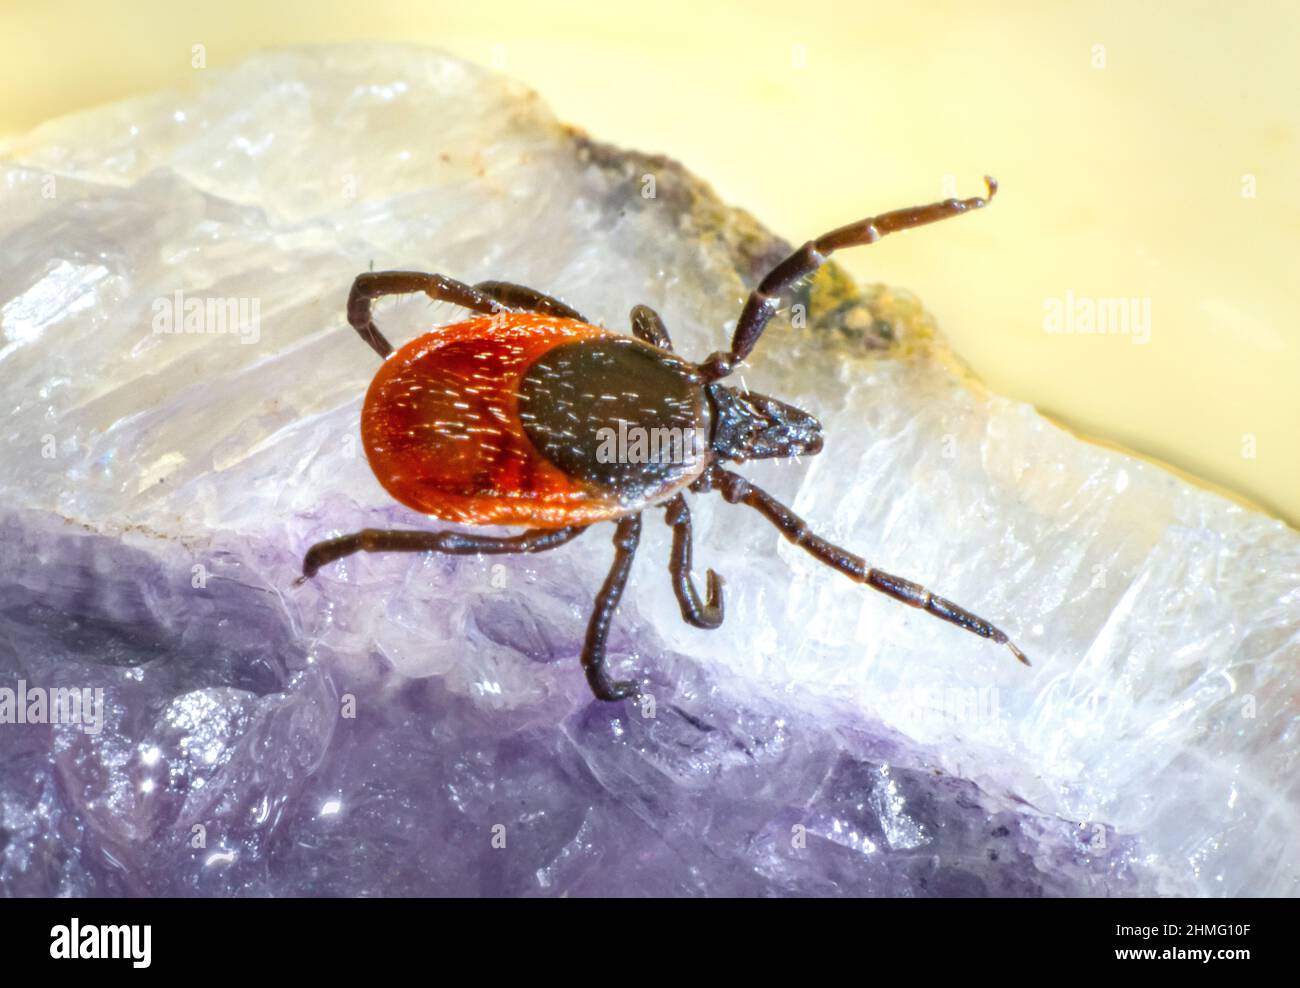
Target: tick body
<point>527,415</point>
<point>507,420</point>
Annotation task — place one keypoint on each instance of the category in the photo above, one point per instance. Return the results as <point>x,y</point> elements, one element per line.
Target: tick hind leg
<point>737,490</point>
<point>452,543</point>
<point>702,613</point>
<point>764,300</point>
<point>626,539</point>
<point>527,299</point>
<point>377,284</point>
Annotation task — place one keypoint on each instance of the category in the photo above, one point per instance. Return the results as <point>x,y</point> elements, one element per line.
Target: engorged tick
<point>506,419</point>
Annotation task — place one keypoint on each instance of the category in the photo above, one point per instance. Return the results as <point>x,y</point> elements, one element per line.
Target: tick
<point>528,415</point>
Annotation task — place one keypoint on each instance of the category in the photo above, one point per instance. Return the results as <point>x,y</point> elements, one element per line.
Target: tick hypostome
<point>527,415</point>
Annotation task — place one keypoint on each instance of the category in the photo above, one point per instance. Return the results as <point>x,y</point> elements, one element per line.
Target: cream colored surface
<point>1147,153</point>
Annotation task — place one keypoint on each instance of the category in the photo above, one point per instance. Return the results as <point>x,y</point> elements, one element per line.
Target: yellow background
<point>1126,137</point>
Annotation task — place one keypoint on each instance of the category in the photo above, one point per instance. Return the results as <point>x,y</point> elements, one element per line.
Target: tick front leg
<point>649,328</point>
<point>452,543</point>
<point>737,490</point>
<point>764,300</point>
<point>701,613</point>
<point>376,284</point>
<point>626,539</point>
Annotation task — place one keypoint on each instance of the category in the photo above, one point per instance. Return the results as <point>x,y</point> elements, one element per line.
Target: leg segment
<point>649,328</point>
<point>452,543</point>
<point>626,538</point>
<point>376,284</point>
<point>737,490</point>
<point>763,301</point>
<point>514,296</point>
<point>701,613</point>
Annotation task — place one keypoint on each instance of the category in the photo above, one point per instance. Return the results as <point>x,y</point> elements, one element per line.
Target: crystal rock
<point>420,725</point>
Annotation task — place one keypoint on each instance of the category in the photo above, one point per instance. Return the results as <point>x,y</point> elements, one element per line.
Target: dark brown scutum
<point>576,391</point>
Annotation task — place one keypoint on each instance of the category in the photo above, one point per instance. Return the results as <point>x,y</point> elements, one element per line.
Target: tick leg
<point>701,613</point>
<point>764,300</point>
<point>649,328</point>
<point>626,538</point>
<point>376,284</point>
<point>737,490</point>
<point>527,299</point>
<point>453,543</point>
